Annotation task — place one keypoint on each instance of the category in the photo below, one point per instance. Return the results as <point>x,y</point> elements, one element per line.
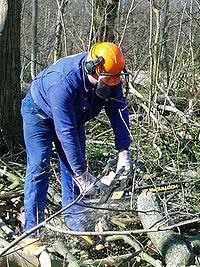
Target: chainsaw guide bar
<point>119,189</point>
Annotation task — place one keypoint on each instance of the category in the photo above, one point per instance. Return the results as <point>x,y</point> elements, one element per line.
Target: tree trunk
<point>34,38</point>
<point>170,245</point>
<point>165,38</point>
<point>60,27</point>
<point>10,92</point>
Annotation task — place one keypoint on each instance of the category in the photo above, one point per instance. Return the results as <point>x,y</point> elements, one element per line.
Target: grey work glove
<point>85,181</point>
<point>124,163</point>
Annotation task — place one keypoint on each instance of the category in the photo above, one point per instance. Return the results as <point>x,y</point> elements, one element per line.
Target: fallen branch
<point>136,93</point>
<point>60,248</point>
<point>194,240</point>
<point>109,261</point>
<point>4,229</point>
<point>172,108</point>
<point>40,225</point>
<point>138,248</point>
<point>10,195</point>
<point>16,181</point>
<point>127,232</point>
<point>17,259</point>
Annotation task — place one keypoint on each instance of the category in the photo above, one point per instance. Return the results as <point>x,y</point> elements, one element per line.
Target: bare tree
<point>154,51</point>
<point>60,28</point>
<point>104,20</point>
<point>34,37</point>
<point>10,92</point>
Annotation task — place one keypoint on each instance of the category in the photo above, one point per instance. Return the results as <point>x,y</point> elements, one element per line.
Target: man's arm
<point>61,100</point>
<point>118,114</point>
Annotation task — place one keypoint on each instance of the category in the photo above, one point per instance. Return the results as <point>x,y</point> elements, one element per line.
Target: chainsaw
<point>122,187</point>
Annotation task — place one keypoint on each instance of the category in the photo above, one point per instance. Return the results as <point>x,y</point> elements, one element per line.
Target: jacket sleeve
<point>117,112</point>
<point>61,100</point>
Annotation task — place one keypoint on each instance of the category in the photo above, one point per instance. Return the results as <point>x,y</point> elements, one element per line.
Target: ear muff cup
<point>90,67</point>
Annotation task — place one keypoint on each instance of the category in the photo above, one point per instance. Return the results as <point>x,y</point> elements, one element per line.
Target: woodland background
<point>161,44</point>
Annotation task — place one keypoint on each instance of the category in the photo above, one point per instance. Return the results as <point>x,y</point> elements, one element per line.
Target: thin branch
<point>131,9</point>
<point>129,232</point>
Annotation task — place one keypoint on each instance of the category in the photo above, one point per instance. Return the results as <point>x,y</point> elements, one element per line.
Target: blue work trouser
<point>39,133</point>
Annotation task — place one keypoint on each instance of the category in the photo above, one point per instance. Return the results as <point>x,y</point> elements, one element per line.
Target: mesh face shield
<point>104,88</point>
<point>108,83</point>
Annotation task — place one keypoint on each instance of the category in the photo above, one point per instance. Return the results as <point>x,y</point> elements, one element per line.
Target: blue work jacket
<point>64,94</point>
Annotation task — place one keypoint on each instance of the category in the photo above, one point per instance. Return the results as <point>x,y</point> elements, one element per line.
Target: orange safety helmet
<point>114,61</point>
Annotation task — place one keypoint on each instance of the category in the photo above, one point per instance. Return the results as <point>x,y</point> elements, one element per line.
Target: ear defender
<point>90,66</point>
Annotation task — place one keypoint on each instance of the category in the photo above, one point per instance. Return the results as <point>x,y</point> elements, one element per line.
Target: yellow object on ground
<point>90,241</point>
<point>30,244</point>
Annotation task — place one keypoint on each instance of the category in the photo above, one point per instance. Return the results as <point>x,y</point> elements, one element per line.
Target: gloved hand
<point>124,163</point>
<point>85,181</point>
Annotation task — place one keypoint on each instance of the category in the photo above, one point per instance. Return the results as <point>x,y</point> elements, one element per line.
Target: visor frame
<point>113,78</point>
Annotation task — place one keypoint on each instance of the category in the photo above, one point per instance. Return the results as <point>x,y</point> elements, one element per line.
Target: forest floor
<point>167,154</point>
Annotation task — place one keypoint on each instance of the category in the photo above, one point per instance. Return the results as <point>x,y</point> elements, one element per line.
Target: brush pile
<point>148,229</point>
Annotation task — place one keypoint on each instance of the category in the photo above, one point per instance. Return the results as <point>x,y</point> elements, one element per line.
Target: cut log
<point>170,245</point>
